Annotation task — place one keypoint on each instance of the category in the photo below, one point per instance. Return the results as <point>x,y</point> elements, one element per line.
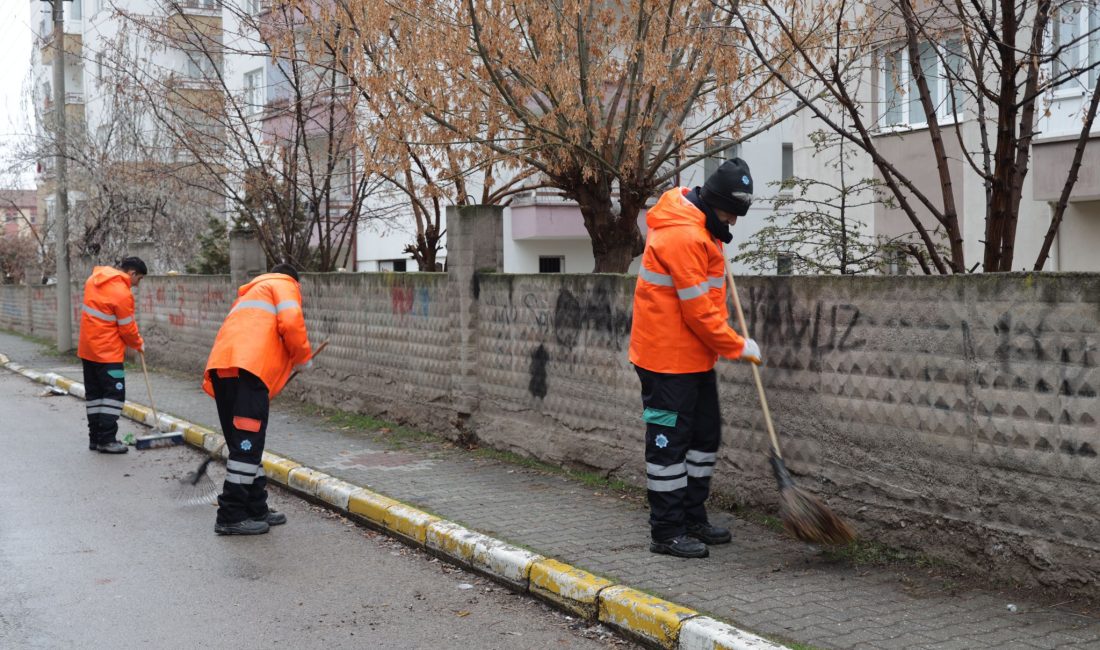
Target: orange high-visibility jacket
<point>680,314</point>
<point>107,324</point>
<point>264,333</point>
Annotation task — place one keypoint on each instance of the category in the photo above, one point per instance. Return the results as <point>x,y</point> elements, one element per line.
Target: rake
<point>197,488</point>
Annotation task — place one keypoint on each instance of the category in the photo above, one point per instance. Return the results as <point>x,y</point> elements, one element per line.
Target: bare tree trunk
<point>616,239</point>
<point>1004,155</point>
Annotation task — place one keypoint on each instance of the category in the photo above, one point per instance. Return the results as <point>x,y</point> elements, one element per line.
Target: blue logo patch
<point>246,445</point>
<point>661,441</point>
<point>118,386</point>
<point>746,180</point>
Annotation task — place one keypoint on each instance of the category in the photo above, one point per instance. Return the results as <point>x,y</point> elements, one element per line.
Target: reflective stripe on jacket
<point>107,324</point>
<point>264,333</point>
<point>680,316</point>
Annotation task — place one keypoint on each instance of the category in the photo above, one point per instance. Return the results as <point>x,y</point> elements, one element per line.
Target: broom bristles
<point>810,520</point>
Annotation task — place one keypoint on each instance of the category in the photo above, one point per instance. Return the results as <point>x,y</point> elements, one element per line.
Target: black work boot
<point>681,546</point>
<point>709,534</point>
<point>246,527</point>
<point>273,518</point>
<point>111,447</point>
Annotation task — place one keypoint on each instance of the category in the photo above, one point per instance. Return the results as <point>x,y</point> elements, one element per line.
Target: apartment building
<point>19,212</point>
<point>129,183</point>
<point>543,232</point>
<point>885,91</point>
<point>42,57</point>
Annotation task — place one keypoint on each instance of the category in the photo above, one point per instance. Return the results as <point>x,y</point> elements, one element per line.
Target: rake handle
<point>294,374</point>
<point>755,368</point>
<point>199,473</point>
<point>149,390</point>
<point>324,344</point>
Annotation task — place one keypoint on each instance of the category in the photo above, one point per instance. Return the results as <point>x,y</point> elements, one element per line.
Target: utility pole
<point>64,283</point>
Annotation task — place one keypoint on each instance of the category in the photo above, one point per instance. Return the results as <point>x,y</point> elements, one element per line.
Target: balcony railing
<point>71,99</point>
<point>541,197</point>
<point>207,7</point>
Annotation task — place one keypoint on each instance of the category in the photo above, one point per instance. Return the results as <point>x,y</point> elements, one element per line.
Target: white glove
<point>751,352</point>
<point>304,366</point>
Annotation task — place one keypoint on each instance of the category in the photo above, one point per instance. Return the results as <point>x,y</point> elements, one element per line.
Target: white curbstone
<point>211,443</point>
<point>336,492</point>
<point>505,562</point>
<point>704,633</point>
<point>305,479</point>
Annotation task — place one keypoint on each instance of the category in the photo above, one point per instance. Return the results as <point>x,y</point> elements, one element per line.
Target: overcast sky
<point>15,55</point>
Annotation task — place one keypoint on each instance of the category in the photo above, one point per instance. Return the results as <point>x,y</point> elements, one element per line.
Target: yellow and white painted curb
<point>649,619</point>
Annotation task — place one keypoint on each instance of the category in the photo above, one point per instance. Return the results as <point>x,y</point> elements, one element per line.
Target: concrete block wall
<point>14,307</point>
<point>953,415</point>
<point>389,351</point>
<point>44,312</point>
<point>33,310</point>
<point>179,317</point>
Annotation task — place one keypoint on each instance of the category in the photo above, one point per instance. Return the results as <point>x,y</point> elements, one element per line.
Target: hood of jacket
<point>263,278</point>
<point>674,210</point>
<point>101,275</point>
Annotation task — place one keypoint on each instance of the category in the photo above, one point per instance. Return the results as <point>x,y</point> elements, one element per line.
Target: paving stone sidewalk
<point>762,582</point>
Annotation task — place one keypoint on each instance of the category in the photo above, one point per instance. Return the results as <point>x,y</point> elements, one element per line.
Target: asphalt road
<point>95,552</point>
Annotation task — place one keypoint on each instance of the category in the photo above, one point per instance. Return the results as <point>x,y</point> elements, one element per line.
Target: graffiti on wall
<point>777,317</point>
<point>410,301</point>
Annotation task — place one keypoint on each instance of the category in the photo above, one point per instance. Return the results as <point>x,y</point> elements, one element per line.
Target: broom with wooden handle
<point>155,439</point>
<point>803,514</point>
<point>197,487</point>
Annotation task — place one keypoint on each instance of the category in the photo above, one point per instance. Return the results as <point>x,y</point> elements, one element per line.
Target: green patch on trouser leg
<point>657,416</point>
<point>117,374</point>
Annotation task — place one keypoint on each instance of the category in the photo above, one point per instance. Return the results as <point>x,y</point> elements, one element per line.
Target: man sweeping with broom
<point>261,341</point>
<point>680,329</point>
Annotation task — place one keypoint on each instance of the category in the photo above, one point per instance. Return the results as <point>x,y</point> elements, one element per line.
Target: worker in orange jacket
<point>107,328</point>
<point>680,328</point>
<point>261,341</point>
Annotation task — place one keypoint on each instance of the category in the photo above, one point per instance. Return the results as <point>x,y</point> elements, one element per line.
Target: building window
<point>1071,49</point>
<point>397,266</point>
<point>551,264</point>
<point>788,161</point>
<point>76,9</point>
<point>254,7</point>
<point>254,91</point>
<point>900,103</point>
<point>897,263</point>
<point>199,66</point>
<point>784,264</point>
<point>726,150</point>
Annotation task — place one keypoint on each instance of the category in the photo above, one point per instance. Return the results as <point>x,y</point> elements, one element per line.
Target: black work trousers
<point>243,405</point>
<point>683,431</point>
<point>104,394</point>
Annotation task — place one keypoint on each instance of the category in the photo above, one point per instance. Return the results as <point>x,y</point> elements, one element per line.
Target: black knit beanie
<point>729,188</point>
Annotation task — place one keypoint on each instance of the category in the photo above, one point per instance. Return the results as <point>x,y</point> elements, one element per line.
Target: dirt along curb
<point>648,619</point>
